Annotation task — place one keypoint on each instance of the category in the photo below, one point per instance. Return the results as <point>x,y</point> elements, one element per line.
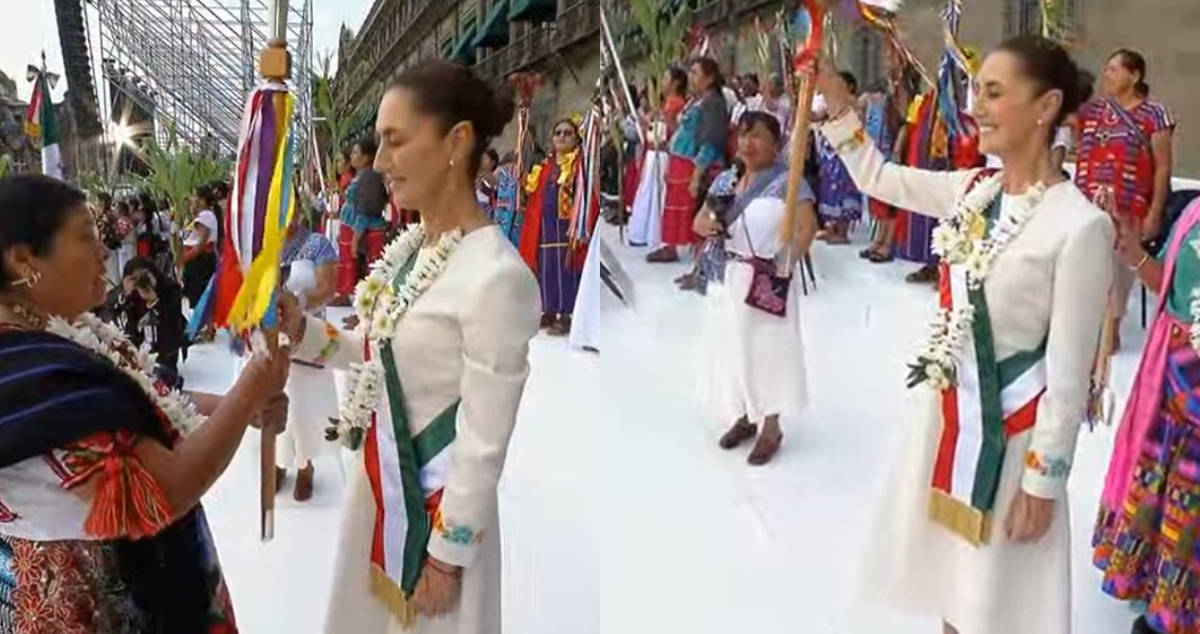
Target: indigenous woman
<point>545,241</point>
<point>975,528</point>
<point>200,250</point>
<point>363,231</point>
<point>309,262</point>
<point>697,153</point>
<point>838,201</point>
<point>1125,150</point>
<point>505,211</point>
<point>1146,536</point>
<point>101,467</point>
<point>754,367</point>
<point>645,221</point>
<point>437,365</point>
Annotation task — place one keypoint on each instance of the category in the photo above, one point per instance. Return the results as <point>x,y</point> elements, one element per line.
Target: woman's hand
<point>291,317</point>
<point>706,224</point>
<point>830,86</point>
<point>438,589</point>
<point>1029,518</point>
<point>266,374</point>
<point>273,416</point>
<point>1151,226</point>
<point>1129,239</point>
<point>694,186</point>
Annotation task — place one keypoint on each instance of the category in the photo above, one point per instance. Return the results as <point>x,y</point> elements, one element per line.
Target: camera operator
<point>148,307</point>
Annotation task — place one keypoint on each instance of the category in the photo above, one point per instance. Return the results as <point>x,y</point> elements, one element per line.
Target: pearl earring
<point>451,162</point>
<point>1041,122</point>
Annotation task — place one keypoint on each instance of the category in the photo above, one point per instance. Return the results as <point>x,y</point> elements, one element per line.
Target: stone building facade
<point>559,38</point>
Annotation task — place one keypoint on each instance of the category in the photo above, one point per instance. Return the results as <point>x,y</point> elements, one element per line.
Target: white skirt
<point>915,566</point>
<point>352,606</point>
<point>752,362</point>
<point>645,221</point>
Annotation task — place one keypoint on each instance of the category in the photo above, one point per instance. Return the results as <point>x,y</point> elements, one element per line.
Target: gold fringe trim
<point>963,520</point>
<point>387,591</point>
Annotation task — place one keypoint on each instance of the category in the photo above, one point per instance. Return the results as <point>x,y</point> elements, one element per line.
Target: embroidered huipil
<point>1047,288</point>
<point>464,340</point>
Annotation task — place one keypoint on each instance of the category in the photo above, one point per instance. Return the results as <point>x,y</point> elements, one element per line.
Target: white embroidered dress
<point>1048,286</point>
<point>465,338</point>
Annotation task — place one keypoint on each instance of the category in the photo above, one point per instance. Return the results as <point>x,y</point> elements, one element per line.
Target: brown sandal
<point>765,449</point>
<point>304,483</point>
<point>741,431</point>
<point>664,255</point>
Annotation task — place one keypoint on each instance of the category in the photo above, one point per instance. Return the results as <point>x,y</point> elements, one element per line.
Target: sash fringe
<point>393,597</point>
<point>968,522</point>
<point>128,503</point>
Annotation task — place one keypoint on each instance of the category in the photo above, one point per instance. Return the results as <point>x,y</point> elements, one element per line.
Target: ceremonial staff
<point>810,18</point>
<point>243,292</point>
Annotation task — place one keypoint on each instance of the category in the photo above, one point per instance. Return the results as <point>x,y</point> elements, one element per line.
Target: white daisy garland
<point>380,306</point>
<point>964,239</point>
<point>108,342</point>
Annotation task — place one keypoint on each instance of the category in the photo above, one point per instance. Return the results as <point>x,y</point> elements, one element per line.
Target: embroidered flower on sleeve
<point>1047,467</point>
<point>455,533</point>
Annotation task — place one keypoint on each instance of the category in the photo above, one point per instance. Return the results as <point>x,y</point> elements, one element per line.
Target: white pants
<point>311,401</point>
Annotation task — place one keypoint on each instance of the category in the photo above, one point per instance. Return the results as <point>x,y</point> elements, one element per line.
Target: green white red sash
<point>990,402</point>
<point>407,475</point>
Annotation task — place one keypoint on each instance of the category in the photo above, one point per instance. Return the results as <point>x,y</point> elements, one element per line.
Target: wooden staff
<point>805,65</point>
<point>275,64</point>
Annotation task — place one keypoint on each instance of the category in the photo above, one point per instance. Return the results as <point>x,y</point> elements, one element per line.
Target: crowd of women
<point>103,460</point>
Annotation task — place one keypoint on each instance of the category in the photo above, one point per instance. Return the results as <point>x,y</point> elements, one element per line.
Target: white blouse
<point>1049,286</point>
<point>467,337</point>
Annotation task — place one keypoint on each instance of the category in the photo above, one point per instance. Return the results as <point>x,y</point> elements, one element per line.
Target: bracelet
<point>1142,262</point>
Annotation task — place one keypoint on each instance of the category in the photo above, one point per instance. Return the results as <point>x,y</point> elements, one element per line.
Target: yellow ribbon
<point>259,284</point>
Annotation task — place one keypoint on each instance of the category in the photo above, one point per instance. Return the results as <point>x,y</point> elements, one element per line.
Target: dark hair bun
<point>452,93</point>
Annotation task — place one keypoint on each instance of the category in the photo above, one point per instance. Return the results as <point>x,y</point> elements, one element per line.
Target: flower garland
<point>108,342</point>
<point>380,305</point>
<point>964,239</point>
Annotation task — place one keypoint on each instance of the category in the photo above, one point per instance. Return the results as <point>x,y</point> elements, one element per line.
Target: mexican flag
<point>41,126</point>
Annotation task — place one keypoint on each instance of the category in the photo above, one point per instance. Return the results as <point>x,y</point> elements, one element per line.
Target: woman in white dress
<point>974,527</point>
<point>437,367</point>
<point>753,368</point>
<point>310,261</point>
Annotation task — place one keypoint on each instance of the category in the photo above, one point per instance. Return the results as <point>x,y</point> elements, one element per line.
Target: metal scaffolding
<point>191,63</point>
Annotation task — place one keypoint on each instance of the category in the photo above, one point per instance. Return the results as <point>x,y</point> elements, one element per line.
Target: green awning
<point>464,48</point>
<point>533,10</point>
<point>495,26</point>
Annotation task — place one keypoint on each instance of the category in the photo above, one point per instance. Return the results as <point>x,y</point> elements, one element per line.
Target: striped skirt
<point>1149,550</point>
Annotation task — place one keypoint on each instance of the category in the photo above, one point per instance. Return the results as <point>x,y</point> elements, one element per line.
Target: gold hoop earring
<point>30,280</point>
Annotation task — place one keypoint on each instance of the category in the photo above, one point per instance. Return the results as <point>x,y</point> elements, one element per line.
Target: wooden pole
<point>792,222</point>
<point>275,64</point>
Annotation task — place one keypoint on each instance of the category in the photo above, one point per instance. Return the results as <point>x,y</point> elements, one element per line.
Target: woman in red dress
<point>1125,151</point>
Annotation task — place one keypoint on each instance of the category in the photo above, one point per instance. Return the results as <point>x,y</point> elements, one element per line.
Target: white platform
<point>620,514</point>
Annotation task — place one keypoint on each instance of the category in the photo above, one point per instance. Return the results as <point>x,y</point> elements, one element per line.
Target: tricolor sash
<point>407,474</point>
<point>990,401</point>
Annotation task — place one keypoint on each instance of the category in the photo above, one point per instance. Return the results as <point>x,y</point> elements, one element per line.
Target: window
<point>867,63</point>
<point>1024,17</point>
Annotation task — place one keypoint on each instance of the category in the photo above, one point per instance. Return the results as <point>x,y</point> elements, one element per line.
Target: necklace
<point>964,239</point>
<point>380,303</point>
<point>109,343</point>
<point>32,318</point>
